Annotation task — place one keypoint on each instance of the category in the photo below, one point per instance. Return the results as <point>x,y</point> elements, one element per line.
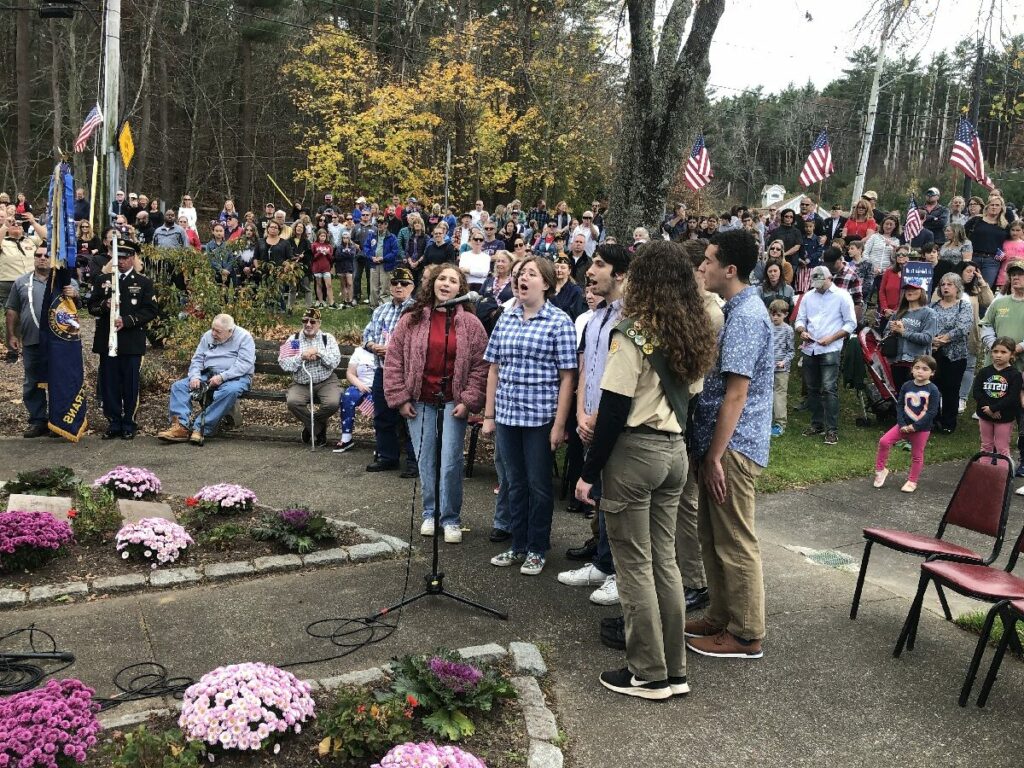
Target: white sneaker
<point>962,406</point>
<point>453,534</point>
<point>427,527</point>
<point>607,593</point>
<point>1020,491</point>
<point>587,576</point>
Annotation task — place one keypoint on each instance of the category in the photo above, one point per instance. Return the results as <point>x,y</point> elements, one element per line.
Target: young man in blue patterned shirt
<point>732,428</point>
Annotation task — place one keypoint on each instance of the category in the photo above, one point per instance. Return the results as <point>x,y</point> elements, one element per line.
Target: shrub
<point>222,537</point>
<point>447,688</point>
<point>51,481</point>
<point>130,482</point>
<point>153,539</point>
<point>48,727</point>
<point>29,539</point>
<point>297,529</point>
<point>143,748</point>
<point>428,755</point>
<point>245,707</point>
<point>358,724</point>
<point>95,517</point>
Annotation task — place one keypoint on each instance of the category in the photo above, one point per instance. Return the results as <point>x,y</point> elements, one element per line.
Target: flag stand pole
<point>698,203</point>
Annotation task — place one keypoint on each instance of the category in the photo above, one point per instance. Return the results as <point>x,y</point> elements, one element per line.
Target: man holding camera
<point>119,375</point>
<point>16,259</point>
<point>311,356</point>
<point>224,362</point>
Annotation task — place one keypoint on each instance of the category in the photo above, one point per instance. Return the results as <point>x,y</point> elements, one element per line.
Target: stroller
<point>880,398</point>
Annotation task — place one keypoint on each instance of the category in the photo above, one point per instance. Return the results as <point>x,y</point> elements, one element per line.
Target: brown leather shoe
<point>196,438</point>
<point>725,645</point>
<point>701,628</point>
<point>175,433</point>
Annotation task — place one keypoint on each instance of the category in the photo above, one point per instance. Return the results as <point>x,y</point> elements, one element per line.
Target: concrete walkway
<point>827,691</point>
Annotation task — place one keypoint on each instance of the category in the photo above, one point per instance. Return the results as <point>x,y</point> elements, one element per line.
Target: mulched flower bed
<point>81,562</point>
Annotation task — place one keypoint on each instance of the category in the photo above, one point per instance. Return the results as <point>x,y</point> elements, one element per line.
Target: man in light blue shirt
<point>825,319</point>
<point>225,361</point>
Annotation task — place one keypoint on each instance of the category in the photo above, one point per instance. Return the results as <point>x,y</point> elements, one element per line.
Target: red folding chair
<point>980,503</point>
<point>975,580</point>
<point>1011,611</point>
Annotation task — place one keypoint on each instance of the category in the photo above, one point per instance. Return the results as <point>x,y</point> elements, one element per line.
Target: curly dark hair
<point>425,293</point>
<point>661,292</point>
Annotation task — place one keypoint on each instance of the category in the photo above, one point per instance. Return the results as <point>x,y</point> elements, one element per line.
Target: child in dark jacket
<point>916,409</point>
<point>997,391</point>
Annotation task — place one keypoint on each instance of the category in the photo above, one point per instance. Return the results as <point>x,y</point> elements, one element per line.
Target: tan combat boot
<point>176,433</point>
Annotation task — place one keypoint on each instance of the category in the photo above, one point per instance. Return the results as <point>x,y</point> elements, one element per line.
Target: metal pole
<point>975,105</point>
<point>447,168</point>
<point>111,89</point>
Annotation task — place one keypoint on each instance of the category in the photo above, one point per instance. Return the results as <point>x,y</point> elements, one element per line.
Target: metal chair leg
<point>942,600</point>
<point>979,653</point>
<point>860,578</point>
<point>997,660</point>
<point>906,638</point>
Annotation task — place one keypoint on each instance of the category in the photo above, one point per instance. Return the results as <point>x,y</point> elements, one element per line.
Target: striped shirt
<point>382,324</point>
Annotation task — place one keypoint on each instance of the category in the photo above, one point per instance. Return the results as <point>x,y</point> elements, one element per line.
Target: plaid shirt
<point>541,217</point>
<point>321,368</point>
<point>850,282</point>
<point>530,355</point>
<point>382,324</point>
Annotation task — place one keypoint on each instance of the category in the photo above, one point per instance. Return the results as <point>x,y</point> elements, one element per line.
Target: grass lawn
<point>975,620</point>
<point>797,461</point>
<point>345,324</point>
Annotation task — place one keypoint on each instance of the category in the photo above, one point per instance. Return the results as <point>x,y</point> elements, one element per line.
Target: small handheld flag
<point>912,228</point>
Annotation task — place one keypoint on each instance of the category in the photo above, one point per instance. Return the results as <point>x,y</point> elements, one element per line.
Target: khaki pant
<point>328,396</point>
<point>732,554</point>
<point>641,486</point>
<point>780,400</point>
<point>691,566</point>
<point>379,284</point>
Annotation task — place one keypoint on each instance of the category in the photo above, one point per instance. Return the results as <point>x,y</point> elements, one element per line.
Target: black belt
<point>979,253</point>
<point>643,429</point>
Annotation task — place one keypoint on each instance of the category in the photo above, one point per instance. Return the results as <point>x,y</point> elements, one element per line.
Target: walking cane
<point>312,420</point>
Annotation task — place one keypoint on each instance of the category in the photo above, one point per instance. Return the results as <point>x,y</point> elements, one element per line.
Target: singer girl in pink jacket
<point>423,379</point>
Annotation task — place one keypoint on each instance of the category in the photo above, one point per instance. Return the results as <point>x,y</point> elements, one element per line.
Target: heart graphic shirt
<point>919,405</point>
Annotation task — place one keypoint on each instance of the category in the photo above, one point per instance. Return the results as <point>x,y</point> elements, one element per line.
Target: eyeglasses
<point>520,245</point>
<point>586,218</point>
<point>776,248</point>
<point>401,282</point>
<point>310,322</point>
<point>488,229</point>
<point>477,239</point>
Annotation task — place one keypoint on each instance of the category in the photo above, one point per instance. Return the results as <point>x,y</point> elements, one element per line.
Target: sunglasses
<point>587,218</point>
<point>400,282</point>
<point>310,322</point>
<point>477,239</point>
<point>520,245</point>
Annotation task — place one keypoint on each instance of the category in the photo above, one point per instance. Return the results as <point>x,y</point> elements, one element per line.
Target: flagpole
<point>92,193</point>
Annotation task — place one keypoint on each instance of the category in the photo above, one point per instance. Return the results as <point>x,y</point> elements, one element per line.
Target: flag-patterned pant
<point>351,400</point>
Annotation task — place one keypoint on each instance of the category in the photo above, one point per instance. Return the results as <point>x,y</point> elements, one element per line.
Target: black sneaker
<point>812,430</point>
<point>409,472</point>
<point>678,685</point>
<point>625,682</point>
<point>585,553</point>
<point>696,598</point>
<point>344,445</point>
<point>497,534</point>
<point>831,437</point>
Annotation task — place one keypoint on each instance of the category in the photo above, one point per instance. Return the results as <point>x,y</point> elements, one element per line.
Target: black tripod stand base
<point>435,586</point>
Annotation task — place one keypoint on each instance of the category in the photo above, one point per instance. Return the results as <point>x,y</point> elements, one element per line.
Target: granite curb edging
<point>528,664</point>
<point>376,546</point>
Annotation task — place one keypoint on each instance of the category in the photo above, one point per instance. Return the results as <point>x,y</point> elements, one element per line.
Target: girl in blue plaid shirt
<point>532,353</point>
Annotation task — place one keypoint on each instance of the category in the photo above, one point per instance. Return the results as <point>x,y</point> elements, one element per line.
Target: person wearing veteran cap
<point>386,420</point>
<point>119,374</point>
<point>935,217</point>
<point>312,355</point>
<point>915,324</point>
<point>1005,317</point>
<point>824,321</point>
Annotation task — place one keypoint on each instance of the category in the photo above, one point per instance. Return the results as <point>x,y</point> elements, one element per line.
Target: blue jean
<point>967,382</point>
<point>526,452</point>
<point>821,374</point>
<point>502,515</point>
<point>988,266</point>
<point>423,431</point>
<point>224,398</point>
<point>350,400</point>
<point>32,394</point>
<point>386,426</point>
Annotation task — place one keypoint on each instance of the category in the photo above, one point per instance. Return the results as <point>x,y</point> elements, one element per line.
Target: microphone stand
<point>435,579</point>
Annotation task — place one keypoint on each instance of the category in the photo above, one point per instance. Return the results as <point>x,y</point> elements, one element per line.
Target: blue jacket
<point>390,250</point>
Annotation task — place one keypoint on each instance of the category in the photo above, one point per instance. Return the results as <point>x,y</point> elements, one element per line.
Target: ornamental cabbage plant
<point>153,539</point>
<point>245,707</point>
<point>48,727</point>
<point>29,539</point>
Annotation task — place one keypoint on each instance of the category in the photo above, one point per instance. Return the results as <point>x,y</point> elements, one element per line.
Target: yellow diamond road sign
<point>126,144</point>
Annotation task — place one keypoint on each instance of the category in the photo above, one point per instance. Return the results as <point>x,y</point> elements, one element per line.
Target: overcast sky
<point>773,43</point>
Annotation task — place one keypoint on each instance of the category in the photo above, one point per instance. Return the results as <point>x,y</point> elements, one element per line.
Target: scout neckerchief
<point>649,344</point>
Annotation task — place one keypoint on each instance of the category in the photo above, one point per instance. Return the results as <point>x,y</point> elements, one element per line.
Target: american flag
<point>698,166</point>
<point>289,349</point>
<point>366,406</point>
<point>966,154</point>
<point>92,120</point>
<point>913,226</point>
<point>819,162</point>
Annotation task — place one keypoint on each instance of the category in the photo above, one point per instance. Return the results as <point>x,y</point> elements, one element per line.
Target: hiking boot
<point>584,553</point>
<point>35,430</point>
<point>625,682</point>
<point>725,645</point>
<point>701,628</point>
<point>176,433</point>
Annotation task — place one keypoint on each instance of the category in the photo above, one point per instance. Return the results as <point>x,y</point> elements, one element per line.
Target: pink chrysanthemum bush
<point>29,539</point>
<point>429,755</point>
<point>245,707</point>
<point>226,498</point>
<point>130,482</point>
<point>153,540</point>
<point>48,727</point>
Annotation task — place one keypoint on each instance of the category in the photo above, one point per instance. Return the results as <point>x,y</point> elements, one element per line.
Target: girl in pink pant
<point>997,392</point>
<point>916,409</point>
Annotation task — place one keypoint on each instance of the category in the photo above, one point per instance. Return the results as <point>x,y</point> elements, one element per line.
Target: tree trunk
<point>165,141</point>
<point>662,92</point>
<point>23,76</point>
<point>58,102</point>
<point>75,107</point>
<point>245,117</point>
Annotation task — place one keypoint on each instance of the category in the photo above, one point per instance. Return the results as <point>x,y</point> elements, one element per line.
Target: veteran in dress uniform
<point>638,453</point>
<point>119,375</point>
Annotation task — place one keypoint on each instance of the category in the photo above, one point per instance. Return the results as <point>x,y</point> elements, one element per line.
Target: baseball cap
<point>819,275</point>
<point>932,191</point>
<point>1017,265</point>
<point>411,199</point>
<point>401,273</point>
<point>870,195</point>
<point>311,313</point>
<point>563,260</point>
<point>360,200</point>
<point>914,282</point>
<point>328,196</point>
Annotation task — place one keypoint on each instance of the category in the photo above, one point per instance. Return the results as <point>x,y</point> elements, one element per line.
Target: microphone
<point>471,296</point>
